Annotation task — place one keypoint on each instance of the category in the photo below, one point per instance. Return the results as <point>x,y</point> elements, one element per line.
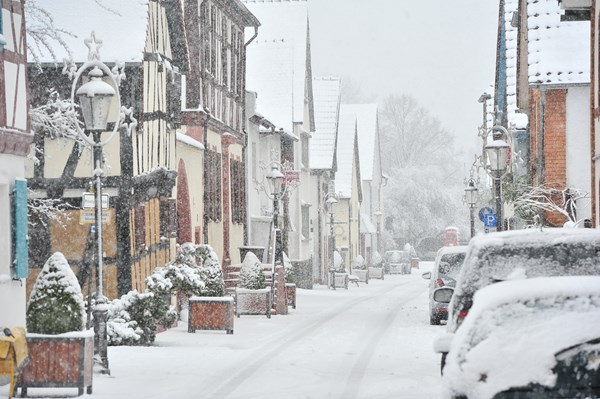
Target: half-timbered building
<point>214,115</point>
<point>139,173</point>
<point>15,138</point>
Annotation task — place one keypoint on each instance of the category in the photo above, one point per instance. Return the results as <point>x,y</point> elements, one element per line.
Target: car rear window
<point>450,264</point>
<point>507,262</point>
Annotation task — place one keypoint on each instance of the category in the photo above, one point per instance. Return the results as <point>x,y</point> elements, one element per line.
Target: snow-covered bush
<point>251,273</point>
<point>338,261</point>
<point>56,303</point>
<point>288,269</point>
<point>359,263</point>
<point>210,271</point>
<point>376,260</point>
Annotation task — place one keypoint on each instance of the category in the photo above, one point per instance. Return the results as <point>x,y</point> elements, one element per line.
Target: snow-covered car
<point>520,254</point>
<point>446,268</point>
<point>533,338</point>
<point>397,262</point>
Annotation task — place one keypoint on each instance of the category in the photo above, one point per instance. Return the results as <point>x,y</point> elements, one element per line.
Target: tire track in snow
<point>358,371</point>
<point>262,355</point>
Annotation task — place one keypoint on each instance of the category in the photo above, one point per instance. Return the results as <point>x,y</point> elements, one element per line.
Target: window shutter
<point>20,240</point>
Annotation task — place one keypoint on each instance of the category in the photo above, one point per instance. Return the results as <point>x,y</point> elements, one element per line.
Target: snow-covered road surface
<point>372,341</point>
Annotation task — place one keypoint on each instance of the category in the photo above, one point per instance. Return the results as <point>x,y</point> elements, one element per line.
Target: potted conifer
<point>290,282</point>
<point>252,294</point>
<point>341,279</point>
<point>360,269</point>
<point>210,309</point>
<point>61,351</point>
<point>376,268</point>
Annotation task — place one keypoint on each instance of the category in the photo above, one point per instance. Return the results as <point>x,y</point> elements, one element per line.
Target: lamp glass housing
<point>497,155</point>
<point>275,179</point>
<point>471,194</point>
<point>95,99</point>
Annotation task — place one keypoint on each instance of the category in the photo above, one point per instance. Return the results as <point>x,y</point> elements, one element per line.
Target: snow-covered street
<point>372,341</point>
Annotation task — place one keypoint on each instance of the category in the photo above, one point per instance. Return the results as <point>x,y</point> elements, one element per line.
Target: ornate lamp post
<point>471,196</point>
<point>95,100</point>
<point>497,153</point>
<point>331,199</point>
<point>275,178</point>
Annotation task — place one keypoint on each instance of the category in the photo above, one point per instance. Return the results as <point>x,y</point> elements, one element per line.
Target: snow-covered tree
<point>251,273</point>
<point>289,270</point>
<point>359,263</point>
<point>376,260</point>
<point>56,303</point>
<point>210,271</point>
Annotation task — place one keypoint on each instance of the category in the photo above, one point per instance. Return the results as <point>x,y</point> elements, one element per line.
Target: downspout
<point>541,160</point>
<point>245,135</point>
<point>593,89</point>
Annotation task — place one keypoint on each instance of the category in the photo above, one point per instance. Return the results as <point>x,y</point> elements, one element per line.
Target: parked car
<point>397,262</point>
<point>533,338</point>
<point>446,267</point>
<point>519,254</point>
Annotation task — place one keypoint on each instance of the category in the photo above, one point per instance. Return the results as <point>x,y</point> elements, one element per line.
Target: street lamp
<point>275,178</point>
<point>471,196</point>
<point>331,199</point>
<point>95,100</point>
<point>497,153</point>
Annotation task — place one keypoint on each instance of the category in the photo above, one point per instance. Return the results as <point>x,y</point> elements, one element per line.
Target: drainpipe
<point>541,160</point>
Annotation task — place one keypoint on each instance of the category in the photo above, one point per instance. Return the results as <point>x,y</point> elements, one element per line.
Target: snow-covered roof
<point>121,25</point>
<point>366,117</point>
<point>281,47</point>
<point>326,97</point>
<point>520,120</point>
<point>345,151</point>
<point>559,51</point>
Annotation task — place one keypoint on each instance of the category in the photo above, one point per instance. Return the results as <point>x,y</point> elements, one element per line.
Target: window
<point>306,222</point>
<point>212,188</point>
<point>20,240</point>
<point>238,192</point>
<point>305,151</point>
<point>2,40</point>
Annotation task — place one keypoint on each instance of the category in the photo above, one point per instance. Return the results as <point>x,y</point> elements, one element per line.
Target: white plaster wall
<point>12,293</point>
<point>578,146</point>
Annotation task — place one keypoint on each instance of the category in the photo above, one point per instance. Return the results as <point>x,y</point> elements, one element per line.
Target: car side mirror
<point>443,294</point>
<point>426,275</point>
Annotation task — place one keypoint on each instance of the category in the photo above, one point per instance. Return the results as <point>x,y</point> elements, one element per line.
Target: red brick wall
<point>554,167</point>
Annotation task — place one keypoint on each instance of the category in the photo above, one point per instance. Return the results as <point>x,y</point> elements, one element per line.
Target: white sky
<point>440,52</point>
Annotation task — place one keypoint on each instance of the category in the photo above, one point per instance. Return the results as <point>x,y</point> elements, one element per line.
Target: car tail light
<point>462,315</point>
<point>441,310</point>
<point>439,282</point>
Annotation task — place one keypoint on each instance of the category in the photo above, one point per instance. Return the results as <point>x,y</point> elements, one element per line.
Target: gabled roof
<point>120,24</point>
<point>366,117</point>
<point>347,130</point>
<point>559,52</point>
<point>326,94</point>
<point>284,25</point>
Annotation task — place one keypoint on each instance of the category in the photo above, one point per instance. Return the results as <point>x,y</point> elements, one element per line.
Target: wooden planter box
<point>59,361</point>
<point>363,275</point>
<point>253,302</point>
<point>290,292</point>
<point>376,272</point>
<point>341,280</point>
<point>211,313</point>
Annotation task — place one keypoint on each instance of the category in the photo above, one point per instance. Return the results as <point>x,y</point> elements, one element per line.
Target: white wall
<point>578,146</point>
<point>12,293</point>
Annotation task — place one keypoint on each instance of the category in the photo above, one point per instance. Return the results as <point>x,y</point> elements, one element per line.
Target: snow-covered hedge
<point>134,318</point>
<point>359,263</point>
<point>251,273</point>
<point>56,303</point>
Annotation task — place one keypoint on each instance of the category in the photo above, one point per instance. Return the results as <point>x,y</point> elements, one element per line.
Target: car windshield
<point>450,264</point>
<point>506,262</point>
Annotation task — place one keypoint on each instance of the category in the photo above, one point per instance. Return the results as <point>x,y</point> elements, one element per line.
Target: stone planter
<point>61,361</point>
<point>211,313</point>
<point>290,292</point>
<point>363,275</point>
<point>376,272</point>
<point>253,302</point>
<point>341,280</point>
<point>414,263</point>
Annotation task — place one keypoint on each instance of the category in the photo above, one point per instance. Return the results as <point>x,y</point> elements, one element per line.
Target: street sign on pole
<point>484,211</point>
<point>88,216</point>
<point>489,220</point>
<point>88,201</point>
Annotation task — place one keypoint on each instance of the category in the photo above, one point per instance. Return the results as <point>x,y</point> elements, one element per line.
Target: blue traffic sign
<point>489,220</point>
<point>484,211</point>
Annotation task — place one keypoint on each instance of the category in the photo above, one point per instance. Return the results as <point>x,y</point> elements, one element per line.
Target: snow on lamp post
<point>497,155</point>
<point>330,200</point>
<point>471,197</point>
<point>275,178</point>
<point>96,98</point>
